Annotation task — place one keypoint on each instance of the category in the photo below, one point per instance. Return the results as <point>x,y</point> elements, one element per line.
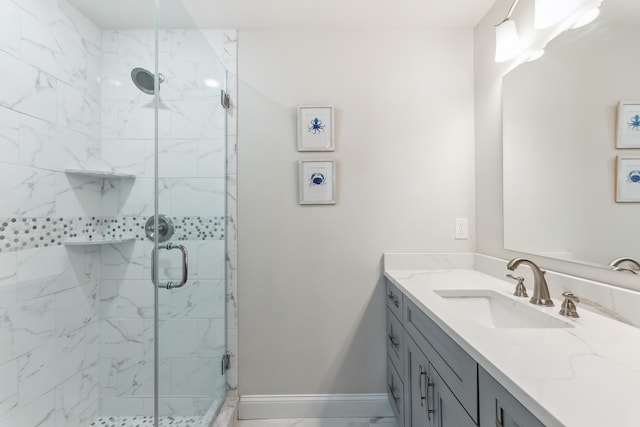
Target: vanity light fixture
<point>508,44</point>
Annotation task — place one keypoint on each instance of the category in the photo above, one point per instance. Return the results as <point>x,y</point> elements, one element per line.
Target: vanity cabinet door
<point>448,411</point>
<point>418,379</point>
<point>499,408</point>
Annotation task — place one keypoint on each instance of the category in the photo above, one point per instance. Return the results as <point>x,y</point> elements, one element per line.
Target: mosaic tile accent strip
<point>147,422</point>
<point>28,233</point>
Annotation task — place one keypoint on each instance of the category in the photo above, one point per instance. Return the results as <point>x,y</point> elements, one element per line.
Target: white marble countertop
<point>587,375</point>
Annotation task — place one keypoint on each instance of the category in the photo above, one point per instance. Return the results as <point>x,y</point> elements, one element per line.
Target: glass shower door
<point>190,178</point>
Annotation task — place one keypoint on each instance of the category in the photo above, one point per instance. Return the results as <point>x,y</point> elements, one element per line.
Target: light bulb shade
<point>507,41</point>
<point>551,12</point>
<point>586,18</point>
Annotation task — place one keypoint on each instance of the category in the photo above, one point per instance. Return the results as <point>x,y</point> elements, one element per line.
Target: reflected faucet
<point>634,267</point>
<point>540,289</point>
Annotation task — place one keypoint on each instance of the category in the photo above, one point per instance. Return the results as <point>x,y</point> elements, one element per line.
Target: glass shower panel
<point>191,192</point>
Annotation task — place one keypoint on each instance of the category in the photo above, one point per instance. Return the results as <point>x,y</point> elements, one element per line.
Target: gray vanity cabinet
<point>499,408</point>
<point>433,382</point>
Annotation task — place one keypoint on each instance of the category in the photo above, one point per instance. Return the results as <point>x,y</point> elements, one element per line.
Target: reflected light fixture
<point>551,12</point>
<point>508,44</point>
<point>586,18</point>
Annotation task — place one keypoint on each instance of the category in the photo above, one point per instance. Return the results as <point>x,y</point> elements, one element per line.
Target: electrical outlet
<point>462,229</point>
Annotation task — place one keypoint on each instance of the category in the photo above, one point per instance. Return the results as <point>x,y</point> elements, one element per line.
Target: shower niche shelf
<point>99,174</point>
<point>98,241</point>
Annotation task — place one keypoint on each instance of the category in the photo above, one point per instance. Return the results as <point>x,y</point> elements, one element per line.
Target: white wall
<point>311,306</point>
<point>488,167</point>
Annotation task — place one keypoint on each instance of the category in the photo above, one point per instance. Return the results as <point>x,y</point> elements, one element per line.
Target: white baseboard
<point>314,406</point>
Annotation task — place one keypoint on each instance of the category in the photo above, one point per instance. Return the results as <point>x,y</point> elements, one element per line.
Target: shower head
<point>144,80</point>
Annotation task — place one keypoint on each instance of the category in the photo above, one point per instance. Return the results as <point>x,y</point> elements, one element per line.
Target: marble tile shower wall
<point>191,157</point>
<point>49,120</point>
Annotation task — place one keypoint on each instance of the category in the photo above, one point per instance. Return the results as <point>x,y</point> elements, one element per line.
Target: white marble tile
<point>44,10</point>
<point>8,279</point>
<point>75,395</point>
<point>232,153</point>
<point>40,413</point>
<point>191,46</point>
<point>117,406</point>
<point>10,27</point>
<point>180,406</point>
<point>197,119</point>
<point>196,376</point>
<point>78,25</point>
<point>192,81</point>
<point>26,89</point>
<point>177,158</point>
<point>178,338</point>
<point>199,299</point>
<point>45,271</point>
<point>126,377</point>
<point>211,337</point>
<point>211,158</point>
<point>125,261</point>
<point>195,196</point>
<point>42,369</point>
<point>137,199</point>
<point>9,135</point>
<point>25,327</point>
<point>50,51</point>
<point>136,45</point>
<point>125,155</point>
<point>8,387</point>
<point>77,111</point>
<point>108,119</point>
<point>126,299</point>
<point>126,338</point>
<point>76,307</point>
<point>77,196</point>
<point>49,146</point>
<point>26,191</point>
<point>210,259</point>
<point>136,120</point>
<point>110,44</point>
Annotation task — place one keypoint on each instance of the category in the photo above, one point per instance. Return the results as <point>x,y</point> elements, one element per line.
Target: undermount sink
<point>494,310</point>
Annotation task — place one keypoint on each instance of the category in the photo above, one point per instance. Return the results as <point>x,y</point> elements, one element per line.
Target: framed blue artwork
<point>316,128</point>
<point>317,182</point>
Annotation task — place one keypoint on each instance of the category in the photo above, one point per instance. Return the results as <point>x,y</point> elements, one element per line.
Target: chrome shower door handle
<point>185,266</point>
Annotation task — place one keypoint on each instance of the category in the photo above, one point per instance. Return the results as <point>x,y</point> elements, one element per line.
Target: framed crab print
<point>627,179</point>
<point>317,182</point>
<point>315,128</point>
<point>628,134</point>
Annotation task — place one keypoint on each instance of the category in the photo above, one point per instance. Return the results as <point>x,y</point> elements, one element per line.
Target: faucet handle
<point>568,307</point>
<point>520,291</point>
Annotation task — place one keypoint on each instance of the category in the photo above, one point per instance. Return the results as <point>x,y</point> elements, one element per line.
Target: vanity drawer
<point>458,370</point>
<point>394,299</point>
<point>395,341</point>
<point>395,389</point>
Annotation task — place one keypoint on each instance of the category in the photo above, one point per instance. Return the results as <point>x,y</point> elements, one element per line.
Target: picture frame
<point>627,179</point>
<point>628,128</point>
<point>316,130</point>
<point>317,182</point>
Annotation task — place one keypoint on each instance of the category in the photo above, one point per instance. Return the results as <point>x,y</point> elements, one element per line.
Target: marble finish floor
<point>319,422</point>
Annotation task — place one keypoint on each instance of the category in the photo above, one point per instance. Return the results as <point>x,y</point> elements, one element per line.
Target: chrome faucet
<point>540,289</point>
<point>633,266</point>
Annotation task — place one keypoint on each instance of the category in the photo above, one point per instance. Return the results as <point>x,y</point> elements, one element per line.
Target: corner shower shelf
<point>99,241</point>
<point>100,174</point>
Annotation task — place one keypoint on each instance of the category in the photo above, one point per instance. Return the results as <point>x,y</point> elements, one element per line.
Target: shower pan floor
<point>147,422</point>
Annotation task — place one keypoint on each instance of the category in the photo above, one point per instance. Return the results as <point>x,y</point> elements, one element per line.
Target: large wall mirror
<point>559,142</point>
